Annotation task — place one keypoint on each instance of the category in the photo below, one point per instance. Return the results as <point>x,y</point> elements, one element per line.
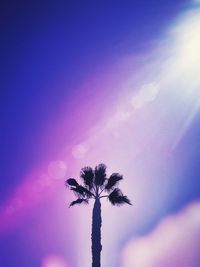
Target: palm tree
<point>95,183</point>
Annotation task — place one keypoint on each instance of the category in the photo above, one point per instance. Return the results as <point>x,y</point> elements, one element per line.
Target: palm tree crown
<point>95,183</point>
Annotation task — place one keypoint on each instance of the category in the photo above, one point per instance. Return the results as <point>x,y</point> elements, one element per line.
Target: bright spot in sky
<point>57,169</point>
<point>53,261</point>
<point>189,42</point>
<point>79,151</point>
<point>147,93</point>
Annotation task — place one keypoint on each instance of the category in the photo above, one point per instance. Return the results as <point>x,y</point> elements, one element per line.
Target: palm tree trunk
<point>96,234</point>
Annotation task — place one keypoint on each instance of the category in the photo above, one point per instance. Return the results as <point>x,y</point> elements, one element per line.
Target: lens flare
<point>54,261</point>
<point>57,169</point>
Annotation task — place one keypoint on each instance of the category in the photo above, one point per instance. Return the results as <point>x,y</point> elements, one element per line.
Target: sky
<point>85,82</point>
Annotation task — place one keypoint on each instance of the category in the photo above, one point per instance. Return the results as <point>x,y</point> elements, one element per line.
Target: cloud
<point>173,243</point>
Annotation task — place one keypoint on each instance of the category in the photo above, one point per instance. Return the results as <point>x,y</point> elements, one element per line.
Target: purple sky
<point>83,83</point>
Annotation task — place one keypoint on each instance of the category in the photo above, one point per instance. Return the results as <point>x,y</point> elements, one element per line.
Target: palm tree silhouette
<point>95,183</point>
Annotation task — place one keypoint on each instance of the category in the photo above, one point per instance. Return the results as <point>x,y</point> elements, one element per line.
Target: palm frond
<point>88,193</point>
<point>78,201</point>
<point>100,174</point>
<point>117,198</point>
<point>81,191</point>
<point>71,182</point>
<point>113,181</point>
<point>87,174</point>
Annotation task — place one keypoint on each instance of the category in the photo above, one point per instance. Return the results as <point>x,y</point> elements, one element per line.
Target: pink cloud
<point>175,242</point>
